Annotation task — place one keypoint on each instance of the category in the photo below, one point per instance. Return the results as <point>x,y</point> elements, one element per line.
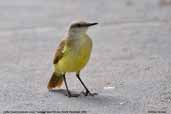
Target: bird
<point>72,55</point>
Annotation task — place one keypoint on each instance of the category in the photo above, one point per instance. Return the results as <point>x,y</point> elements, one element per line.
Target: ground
<point>130,67</point>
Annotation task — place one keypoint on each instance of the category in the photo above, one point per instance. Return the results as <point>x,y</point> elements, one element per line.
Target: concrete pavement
<point>129,68</point>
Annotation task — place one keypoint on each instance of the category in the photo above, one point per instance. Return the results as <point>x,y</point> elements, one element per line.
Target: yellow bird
<point>72,55</point>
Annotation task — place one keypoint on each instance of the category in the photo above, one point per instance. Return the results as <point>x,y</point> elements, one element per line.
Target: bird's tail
<point>55,81</point>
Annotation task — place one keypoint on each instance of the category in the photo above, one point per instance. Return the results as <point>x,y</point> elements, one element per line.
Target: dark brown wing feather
<point>59,52</point>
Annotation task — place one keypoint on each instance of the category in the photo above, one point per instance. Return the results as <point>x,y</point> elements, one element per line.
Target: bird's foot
<point>72,95</point>
<point>88,93</point>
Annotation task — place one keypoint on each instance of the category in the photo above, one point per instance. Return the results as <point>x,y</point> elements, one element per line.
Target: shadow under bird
<point>72,55</point>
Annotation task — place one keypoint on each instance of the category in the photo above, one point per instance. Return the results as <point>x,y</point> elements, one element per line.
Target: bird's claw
<point>72,95</point>
<point>88,93</point>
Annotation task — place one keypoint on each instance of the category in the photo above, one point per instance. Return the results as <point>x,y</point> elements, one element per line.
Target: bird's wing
<point>59,52</point>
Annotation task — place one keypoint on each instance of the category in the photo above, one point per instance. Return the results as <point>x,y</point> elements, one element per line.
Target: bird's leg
<point>87,91</point>
<point>68,92</point>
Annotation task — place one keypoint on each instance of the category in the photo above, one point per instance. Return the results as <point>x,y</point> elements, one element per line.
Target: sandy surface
<point>130,66</point>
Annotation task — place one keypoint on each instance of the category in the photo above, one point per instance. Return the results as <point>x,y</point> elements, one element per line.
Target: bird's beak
<point>91,24</point>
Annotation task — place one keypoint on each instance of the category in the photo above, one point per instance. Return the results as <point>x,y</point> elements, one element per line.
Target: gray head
<point>80,27</point>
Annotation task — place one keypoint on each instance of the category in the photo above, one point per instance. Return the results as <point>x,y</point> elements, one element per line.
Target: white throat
<point>76,35</point>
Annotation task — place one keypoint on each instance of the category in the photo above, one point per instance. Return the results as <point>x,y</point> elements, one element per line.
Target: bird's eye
<point>79,25</point>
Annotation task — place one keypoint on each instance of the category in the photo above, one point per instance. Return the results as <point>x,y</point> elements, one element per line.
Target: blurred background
<point>130,66</point>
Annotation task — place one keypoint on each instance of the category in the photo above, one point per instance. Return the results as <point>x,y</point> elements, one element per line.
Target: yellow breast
<point>75,56</point>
